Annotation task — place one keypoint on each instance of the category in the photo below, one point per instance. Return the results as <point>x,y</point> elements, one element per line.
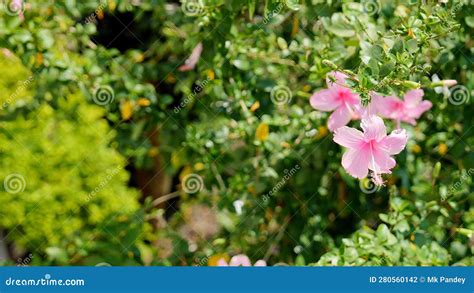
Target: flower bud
<point>330,64</point>
<point>410,84</point>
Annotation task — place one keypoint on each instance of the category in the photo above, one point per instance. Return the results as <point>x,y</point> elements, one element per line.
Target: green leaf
<point>469,21</point>
<point>46,39</point>
<point>386,218</point>
<point>57,254</point>
<point>376,52</point>
<point>241,64</point>
<point>382,233</point>
<point>374,67</point>
<point>338,26</point>
<point>386,68</point>
<point>252,5</point>
<point>398,47</point>
<point>300,261</point>
<point>282,43</point>
<point>402,226</point>
<point>412,46</point>
<point>399,204</point>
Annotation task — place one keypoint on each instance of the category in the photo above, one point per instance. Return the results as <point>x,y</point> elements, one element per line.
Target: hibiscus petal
<point>389,107</point>
<point>418,110</point>
<point>240,260</point>
<point>373,127</point>
<point>395,142</point>
<point>222,263</point>
<point>348,137</point>
<point>409,120</point>
<point>381,162</point>
<point>413,97</point>
<point>356,162</point>
<point>324,100</point>
<point>193,59</point>
<point>339,118</point>
<point>339,77</point>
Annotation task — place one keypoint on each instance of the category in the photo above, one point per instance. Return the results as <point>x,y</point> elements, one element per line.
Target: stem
<point>165,198</point>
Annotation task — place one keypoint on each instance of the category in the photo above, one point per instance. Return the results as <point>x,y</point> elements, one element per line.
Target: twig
<point>165,198</point>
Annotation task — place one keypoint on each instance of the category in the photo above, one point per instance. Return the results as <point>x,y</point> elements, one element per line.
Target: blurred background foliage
<point>104,125</point>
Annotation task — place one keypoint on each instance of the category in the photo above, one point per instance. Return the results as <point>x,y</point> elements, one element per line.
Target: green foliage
<point>15,88</point>
<point>382,248</point>
<point>68,187</point>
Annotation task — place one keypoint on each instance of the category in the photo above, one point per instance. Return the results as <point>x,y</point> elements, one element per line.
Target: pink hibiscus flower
<point>371,149</point>
<point>240,260</point>
<point>339,98</point>
<point>407,110</point>
<point>191,62</point>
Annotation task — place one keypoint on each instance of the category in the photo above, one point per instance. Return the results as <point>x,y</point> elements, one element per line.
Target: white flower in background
<point>444,85</point>
<point>238,204</point>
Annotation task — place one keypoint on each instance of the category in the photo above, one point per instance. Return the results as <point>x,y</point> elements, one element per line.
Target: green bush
<point>63,184</point>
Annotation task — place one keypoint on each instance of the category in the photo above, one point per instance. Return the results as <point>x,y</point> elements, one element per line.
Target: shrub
<point>64,186</point>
